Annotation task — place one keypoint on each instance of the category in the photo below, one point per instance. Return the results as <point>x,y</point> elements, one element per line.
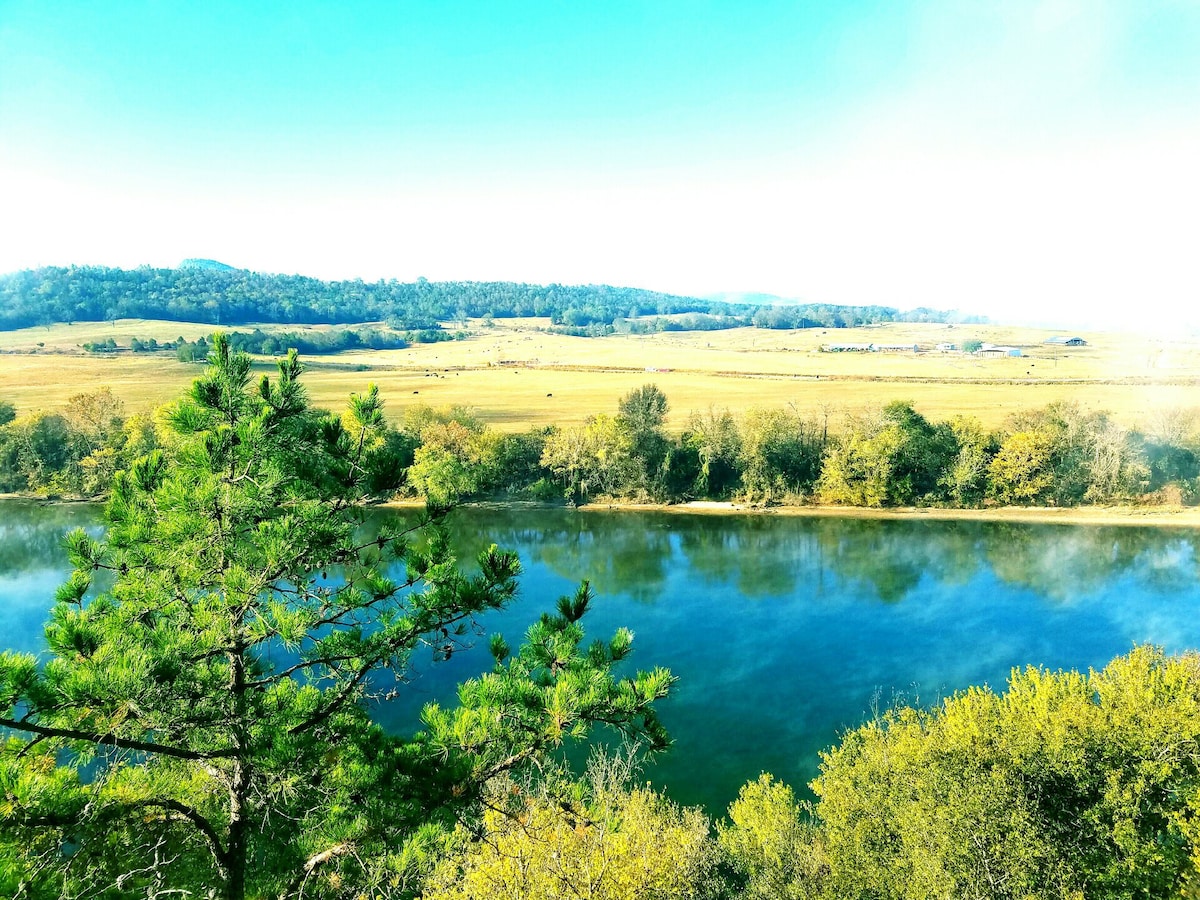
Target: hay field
<point>516,376</point>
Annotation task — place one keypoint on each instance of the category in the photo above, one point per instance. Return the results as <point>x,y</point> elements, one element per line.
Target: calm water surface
<point>783,631</point>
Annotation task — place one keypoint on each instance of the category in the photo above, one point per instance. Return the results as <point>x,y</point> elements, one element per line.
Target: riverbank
<point>1185,517</point>
<point>1168,516</point>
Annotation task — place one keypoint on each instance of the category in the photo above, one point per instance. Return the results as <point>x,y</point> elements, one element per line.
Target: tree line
<point>199,725</point>
<point>314,343</point>
<point>1058,455</point>
<point>227,296</point>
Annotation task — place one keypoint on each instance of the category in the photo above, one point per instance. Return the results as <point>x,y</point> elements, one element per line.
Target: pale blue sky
<point>1036,159</point>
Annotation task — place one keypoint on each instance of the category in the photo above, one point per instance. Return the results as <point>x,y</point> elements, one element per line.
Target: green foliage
<point>601,838</point>
<point>644,409</point>
<point>826,315</point>
<point>335,340</point>
<point>717,443</point>
<point>458,457</point>
<point>234,296</point>
<point>897,459</point>
<point>642,412</point>
<point>8,412</point>
<point>780,454</point>
<point>1066,785</point>
<point>1021,470</point>
<point>34,451</point>
<point>1063,456</point>
<point>200,724</point>
<point>197,351</point>
<point>773,845</point>
<point>1055,455</point>
<point>231,296</point>
<point>594,459</point>
<point>964,483</point>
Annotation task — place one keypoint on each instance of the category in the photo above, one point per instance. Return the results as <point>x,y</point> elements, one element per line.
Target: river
<point>783,631</point>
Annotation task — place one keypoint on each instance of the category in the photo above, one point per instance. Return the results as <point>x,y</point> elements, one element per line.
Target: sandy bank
<point>1169,516</point>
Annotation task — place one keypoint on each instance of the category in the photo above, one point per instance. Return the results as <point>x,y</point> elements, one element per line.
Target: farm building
<point>895,348</point>
<point>947,348</point>
<point>995,350</point>
<point>1067,341</point>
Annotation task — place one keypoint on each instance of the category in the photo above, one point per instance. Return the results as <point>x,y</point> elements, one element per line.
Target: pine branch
<point>112,740</point>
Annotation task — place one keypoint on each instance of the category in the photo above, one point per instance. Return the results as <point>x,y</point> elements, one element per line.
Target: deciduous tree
<point>1066,785</point>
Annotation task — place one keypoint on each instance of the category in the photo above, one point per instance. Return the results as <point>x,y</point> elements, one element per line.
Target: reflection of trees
<point>618,552</point>
<point>1061,562</point>
<point>31,536</point>
<point>769,556</point>
<point>892,556</point>
<point>873,552</point>
<point>764,557</point>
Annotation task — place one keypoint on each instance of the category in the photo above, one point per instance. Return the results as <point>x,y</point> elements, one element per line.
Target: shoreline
<point>1152,516</point>
<point>1148,516</point>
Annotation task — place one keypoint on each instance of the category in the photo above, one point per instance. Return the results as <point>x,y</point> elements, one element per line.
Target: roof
<point>996,348</point>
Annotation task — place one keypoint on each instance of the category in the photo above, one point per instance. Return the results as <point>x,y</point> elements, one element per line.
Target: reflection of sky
<point>24,599</point>
<point>784,631</point>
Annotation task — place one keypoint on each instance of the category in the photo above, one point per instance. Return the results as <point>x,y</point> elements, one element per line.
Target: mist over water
<point>783,631</point>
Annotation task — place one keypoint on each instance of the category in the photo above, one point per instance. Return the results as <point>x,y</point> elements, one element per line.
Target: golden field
<point>515,375</point>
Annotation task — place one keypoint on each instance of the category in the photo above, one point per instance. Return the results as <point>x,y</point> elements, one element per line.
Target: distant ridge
<point>205,290</point>
<point>196,263</point>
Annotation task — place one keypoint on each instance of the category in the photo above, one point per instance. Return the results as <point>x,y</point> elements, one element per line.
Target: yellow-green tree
<point>593,459</point>
<point>772,842</point>
<point>1066,785</point>
<point>603,839</point>
<point>1021,472</point>
<point>894,459</point>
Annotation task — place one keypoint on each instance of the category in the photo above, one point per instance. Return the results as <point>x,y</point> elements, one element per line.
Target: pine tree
<point>200,726</point>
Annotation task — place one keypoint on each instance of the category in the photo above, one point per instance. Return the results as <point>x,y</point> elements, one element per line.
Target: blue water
<point>783,631</point>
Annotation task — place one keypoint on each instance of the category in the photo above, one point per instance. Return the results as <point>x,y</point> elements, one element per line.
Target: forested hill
<point>227,296</point>
<point>236,296</point>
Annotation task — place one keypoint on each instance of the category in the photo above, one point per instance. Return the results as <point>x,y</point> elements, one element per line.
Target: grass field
<point>516,376</point>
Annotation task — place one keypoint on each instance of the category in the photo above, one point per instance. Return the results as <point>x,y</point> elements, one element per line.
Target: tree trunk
<point>237,852</point>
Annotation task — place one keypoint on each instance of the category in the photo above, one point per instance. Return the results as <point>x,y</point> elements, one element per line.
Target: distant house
<point>1067,341</point>
<point>895,348</point>
<point>946,348</point>
<point>997,350</point>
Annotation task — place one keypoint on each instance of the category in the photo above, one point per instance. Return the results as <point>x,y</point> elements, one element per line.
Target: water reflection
<point>783,630</point>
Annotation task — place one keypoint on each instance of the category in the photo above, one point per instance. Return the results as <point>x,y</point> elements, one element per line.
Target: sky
<point>1029,161</point>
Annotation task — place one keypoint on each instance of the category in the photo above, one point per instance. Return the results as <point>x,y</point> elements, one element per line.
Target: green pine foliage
<point>200,724</point>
